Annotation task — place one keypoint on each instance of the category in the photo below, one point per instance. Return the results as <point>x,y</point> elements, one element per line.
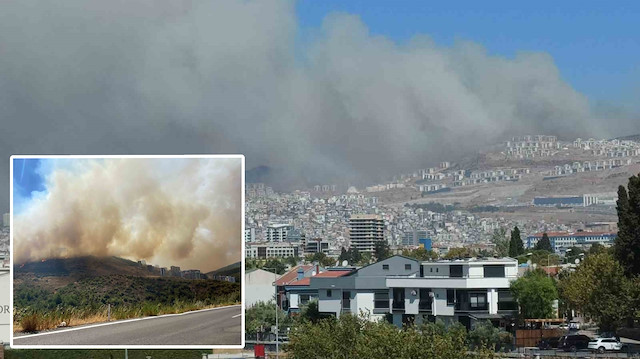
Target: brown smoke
<point>184,212</point>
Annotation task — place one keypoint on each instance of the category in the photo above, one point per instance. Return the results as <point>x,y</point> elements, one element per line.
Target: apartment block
<point>365,230</point>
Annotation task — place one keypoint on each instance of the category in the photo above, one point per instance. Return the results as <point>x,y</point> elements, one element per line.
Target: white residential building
<point>462,290</point>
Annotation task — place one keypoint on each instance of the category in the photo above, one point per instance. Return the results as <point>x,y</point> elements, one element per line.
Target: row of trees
<point>606,284</point>
<point>357,337</point>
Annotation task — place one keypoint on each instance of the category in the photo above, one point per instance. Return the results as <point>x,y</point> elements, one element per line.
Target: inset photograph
<point>127,251</point>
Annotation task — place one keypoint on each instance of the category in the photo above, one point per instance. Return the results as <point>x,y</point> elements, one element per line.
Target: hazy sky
<point>184,212</point>
<point>595,44</point>
<point>319,91</point>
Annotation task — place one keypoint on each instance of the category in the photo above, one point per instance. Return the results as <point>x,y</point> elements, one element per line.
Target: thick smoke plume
<point>185,212</point>
<point>236,76</point>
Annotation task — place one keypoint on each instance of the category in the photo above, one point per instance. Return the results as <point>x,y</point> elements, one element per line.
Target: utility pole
<point>275,274</point>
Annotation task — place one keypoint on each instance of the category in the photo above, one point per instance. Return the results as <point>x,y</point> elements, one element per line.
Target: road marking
<point>121,322</point>
<point>237,315</point>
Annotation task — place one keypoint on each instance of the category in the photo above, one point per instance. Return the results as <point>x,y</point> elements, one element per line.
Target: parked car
<point>574,342</point>
<point>549,343</point>
<point>603,344</point>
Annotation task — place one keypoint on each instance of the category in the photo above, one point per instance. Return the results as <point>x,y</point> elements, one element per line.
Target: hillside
<point>81,290</point>
<point>233,270</point>
<point>58,272</point>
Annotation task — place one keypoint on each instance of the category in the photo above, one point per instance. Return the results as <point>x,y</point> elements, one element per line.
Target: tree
<point>597,248</point>
<point>276,264</point>
<point>599,289</point>
<point>535,293</point>
<point>627,243</point>
<point>344,255</point>
<point>311,312</point>
<point>355,337</point>
<point>516,247</point>
<point>499,238</point>
<point>485,334</point>
<point>420,254</point>
<point>544,243</point>
<point>460,252</point>
<point>381,250</point>
<point>263,315</point>
<point>354,255</point>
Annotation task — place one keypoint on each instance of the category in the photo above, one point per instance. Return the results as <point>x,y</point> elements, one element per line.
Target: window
<point>437,270</point>
<point>346,300</point>
<point>455,271</point>
<point>478,300</point>
<point>494,271</point>
<point>398,298</point>
<point>329,293</point>
<point>304,298</point>
<point>506,301</point>
<point>421,271</point>
<point>407,266</point>
<point>381,300</point>
<point>431,270</point>
<point>425,299</point>
<point>451,295</point>
<point>385,266</point>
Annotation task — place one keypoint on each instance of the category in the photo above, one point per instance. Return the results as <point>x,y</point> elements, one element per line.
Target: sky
<point>321,92</point>
<point>595,44</point>
<point>179,211</point>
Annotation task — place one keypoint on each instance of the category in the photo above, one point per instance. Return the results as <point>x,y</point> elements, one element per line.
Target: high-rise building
<point>365,230</point>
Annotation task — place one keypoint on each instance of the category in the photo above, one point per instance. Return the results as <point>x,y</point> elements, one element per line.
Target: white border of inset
<point>241,239</point>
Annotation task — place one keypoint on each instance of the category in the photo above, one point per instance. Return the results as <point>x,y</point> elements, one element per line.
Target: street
<point>216,326</point>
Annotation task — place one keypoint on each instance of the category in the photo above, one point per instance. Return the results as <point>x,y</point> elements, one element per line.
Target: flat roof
<point>472,260</point>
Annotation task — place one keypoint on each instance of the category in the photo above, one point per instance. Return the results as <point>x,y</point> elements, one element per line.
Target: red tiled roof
<point>574,234</point>
<point>292,275</point>
<point>334,273</point>
<point>301,282</point>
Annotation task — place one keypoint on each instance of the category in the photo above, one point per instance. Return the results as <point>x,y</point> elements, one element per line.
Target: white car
<point>602,344</point>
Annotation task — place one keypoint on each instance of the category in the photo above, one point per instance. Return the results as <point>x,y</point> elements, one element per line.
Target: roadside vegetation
<point>89,300</point>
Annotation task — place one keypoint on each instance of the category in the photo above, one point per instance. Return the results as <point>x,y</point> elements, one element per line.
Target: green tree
<point>354,255</point>
<point>420,254</point>
<point>484,334</point>
<point>516,247</point>
<point>263,315</point>
<point>599,289</point>
<point>535,293</point>
<point>355,337</point>
<point>460,252</point>
<point>311,312</point>
<point>627,243</point>
<point>381,250</point>
<point>272,263</point>
<point>544,243</point>
<point>499,238</point>
<point>344,255</point>
<point>597,248</point>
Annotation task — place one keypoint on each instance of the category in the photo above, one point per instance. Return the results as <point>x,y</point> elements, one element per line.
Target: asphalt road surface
<point>217,326</point>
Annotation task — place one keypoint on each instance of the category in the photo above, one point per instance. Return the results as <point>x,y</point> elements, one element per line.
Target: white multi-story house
<point>461,290</point>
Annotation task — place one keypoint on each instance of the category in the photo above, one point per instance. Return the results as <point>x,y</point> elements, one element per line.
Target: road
<point>216,326</point>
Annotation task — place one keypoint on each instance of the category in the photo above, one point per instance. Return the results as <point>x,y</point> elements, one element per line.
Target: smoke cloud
<point>185,212</point>
<point>231,76</point>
